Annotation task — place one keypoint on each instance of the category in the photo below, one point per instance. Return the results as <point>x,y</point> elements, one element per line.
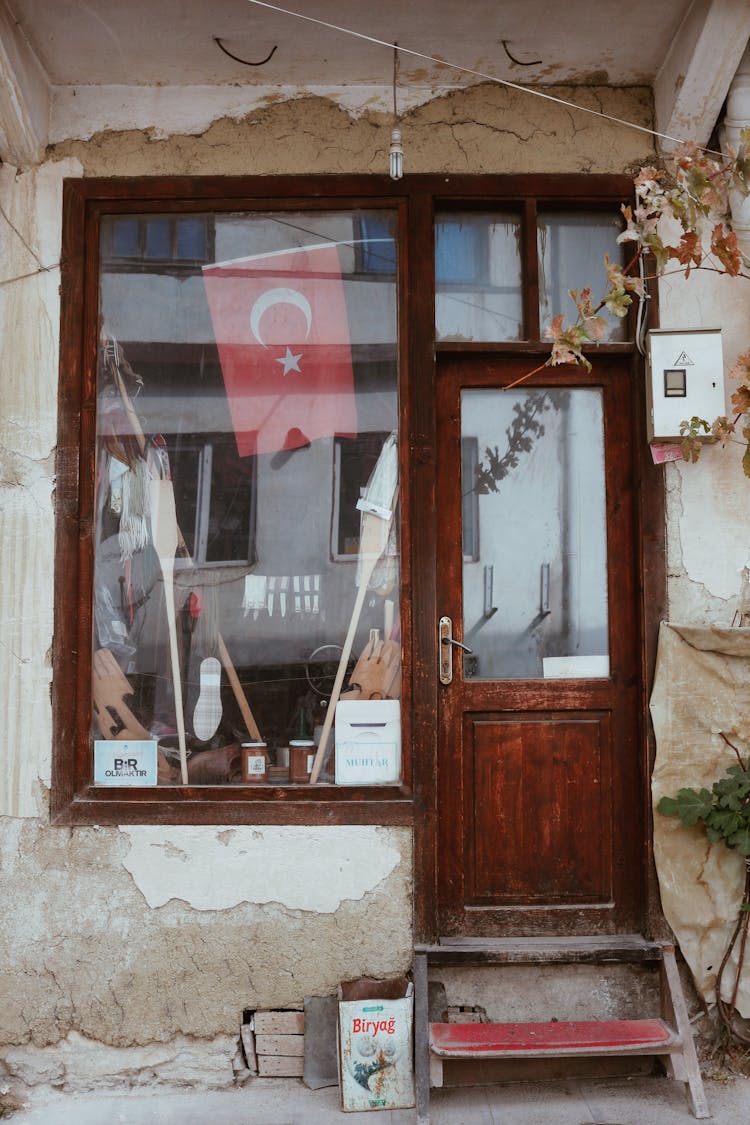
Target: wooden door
<point>539,788</point>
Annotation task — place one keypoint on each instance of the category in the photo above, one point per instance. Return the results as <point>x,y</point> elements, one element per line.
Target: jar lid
<point>253,745</point>
<point>301,742</point>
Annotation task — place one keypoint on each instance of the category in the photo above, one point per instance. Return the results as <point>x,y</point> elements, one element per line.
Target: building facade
<point>511,794</point>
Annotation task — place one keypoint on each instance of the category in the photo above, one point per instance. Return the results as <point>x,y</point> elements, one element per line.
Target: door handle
<point>447,643</point>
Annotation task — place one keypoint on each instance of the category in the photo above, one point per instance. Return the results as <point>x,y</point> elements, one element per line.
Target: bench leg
<point>421,1039</point>
<point>674,1009</point>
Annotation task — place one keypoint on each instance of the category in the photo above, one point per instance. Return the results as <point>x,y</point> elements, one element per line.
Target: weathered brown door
<point>539,789</point>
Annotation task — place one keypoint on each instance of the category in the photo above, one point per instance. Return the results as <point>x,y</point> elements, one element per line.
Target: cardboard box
<point>376,1065</point>
<point>368,742</point>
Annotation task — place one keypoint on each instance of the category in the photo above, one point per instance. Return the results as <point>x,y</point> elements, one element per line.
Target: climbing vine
<point>676,225</point>
<point>724,812</point>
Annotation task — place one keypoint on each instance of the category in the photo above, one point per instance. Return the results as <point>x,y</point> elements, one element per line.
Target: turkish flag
<point>282,332</point>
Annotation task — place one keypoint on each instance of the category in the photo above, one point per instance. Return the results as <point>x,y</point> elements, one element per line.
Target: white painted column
<point>736,119</point>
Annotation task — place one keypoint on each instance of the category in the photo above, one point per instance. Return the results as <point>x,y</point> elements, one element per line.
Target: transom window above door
<point>502,275</point>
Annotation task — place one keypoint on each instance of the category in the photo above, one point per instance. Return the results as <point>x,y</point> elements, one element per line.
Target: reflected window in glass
<point>572,247</point>
<point>478,277</point>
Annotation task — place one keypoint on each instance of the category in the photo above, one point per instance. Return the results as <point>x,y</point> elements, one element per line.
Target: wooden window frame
<point>74,799</point>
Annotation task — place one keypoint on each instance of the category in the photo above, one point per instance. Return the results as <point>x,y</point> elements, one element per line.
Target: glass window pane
<point>571,256</point>
<point>535,596</point>
<point>478,277</point>
<point>190,238</point>
<point>158,238</point>
<point>247,436</point>
<point>125,238</point>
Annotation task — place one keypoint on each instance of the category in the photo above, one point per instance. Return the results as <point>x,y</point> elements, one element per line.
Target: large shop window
<point>234,411</point>
<point>246,542</point>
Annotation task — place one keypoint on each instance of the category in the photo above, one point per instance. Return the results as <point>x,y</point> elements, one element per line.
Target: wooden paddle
<point>165,536</point>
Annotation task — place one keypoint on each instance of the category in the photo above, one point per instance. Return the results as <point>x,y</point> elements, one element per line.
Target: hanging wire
<point>476,73</point>
<point>395,152</point>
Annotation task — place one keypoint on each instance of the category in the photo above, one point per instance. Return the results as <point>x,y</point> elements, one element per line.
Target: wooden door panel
<point>539,811</point>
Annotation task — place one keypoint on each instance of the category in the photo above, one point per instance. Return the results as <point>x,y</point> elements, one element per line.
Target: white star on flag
<point>290,362</point>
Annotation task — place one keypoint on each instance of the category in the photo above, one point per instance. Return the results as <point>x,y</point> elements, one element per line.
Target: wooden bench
<point>668,1037</point>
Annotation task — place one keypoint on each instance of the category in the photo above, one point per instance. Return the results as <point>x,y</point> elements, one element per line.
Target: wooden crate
<point>279,1043</point>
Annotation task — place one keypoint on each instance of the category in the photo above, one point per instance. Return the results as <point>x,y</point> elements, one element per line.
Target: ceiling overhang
<point>693,82</point>
<point>68,71</point>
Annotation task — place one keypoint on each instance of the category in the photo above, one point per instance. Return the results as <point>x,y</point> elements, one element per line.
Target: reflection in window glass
<point>478,277</point>
<point>125,237</point>
<point>246,491</point>
<point>535,597</point>
<point>158,238</point>
<point>571,256</point>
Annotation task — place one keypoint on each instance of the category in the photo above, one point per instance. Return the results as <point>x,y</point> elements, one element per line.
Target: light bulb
<point>396,156</point>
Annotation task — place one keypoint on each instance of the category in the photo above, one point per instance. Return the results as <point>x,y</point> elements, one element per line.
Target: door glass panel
<point>571,251</point>
<point>478,277</point>
<point>535,573</point>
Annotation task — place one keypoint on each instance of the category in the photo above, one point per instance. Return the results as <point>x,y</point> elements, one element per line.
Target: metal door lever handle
<point>445,633</point>
<point>458,644</point>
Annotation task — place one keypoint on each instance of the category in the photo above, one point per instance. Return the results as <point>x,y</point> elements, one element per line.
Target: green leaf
<point>688,805</point>
<point>740,841</point>
<point>725,823</point>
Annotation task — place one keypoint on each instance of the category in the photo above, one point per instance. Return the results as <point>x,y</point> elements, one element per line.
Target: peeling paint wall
<point>122,941</point>
<point>481,129</point>
<point>708,504</point>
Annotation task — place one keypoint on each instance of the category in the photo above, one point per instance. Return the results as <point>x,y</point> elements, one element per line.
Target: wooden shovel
<point>166,537</point>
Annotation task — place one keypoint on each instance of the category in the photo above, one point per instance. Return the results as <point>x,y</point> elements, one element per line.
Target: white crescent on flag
<point>273,297</point>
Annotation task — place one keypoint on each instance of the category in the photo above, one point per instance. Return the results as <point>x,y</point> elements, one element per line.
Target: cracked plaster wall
<point>708,505</point>
<point>120,939</point>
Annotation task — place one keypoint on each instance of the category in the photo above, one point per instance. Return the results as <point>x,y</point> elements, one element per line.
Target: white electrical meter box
<point>686,380</point>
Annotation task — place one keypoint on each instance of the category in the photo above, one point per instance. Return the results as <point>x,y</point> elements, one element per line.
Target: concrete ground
<point>280,1101</point>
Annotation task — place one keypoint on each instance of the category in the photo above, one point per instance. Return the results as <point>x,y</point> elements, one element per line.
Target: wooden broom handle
<point>239,695</point>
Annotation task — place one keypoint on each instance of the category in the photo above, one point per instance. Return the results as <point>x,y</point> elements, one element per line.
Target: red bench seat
<point>498,1040</point>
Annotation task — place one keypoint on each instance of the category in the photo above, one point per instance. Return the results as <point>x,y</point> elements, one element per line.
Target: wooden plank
<point>279,1023</point>
<point>673,1005</point>
<point>280,1044</point>
<point>625,948</point>
<point>559,1039</point>
<point>248,1043</point>
<point>422,1057</point>
<point>280,1066</point>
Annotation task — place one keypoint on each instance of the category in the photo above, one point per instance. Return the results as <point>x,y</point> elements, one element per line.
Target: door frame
<point>650,524</point>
